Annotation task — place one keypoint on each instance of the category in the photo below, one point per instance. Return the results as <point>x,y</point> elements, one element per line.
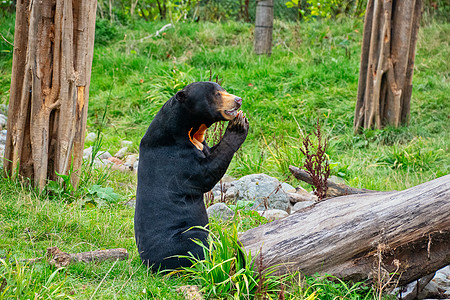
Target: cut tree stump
<point>344,236</point>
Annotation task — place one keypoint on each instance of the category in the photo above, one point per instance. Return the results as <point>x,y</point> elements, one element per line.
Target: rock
<point>220,211</point>
<point>262,188</point>
<point>273,214</point>
<point>87,153</point>
<point>3,137</point>
<point>90,137</point>
<point>126,143</point>
<point>411,290</point>
<point>439,286</point>
<point>121,153</point>
<point>230,194</point>
<point>301,196</point>
<point>190,292</point>
<point>131,159</point>
<point>106,161</point>
<point>104,155</point>
<point>228,178</point>
<point>4,109</point>
<point>135,166</point>
<point>335,179</point>
<point>131,162</point>
<point>433,286</point>
<point>303,204</point>
<point>287,187</point>
<point>2,153</point>
<point>3,121</point>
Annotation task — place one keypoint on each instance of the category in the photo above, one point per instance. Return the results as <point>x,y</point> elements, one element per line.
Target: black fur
<point>173,175</point>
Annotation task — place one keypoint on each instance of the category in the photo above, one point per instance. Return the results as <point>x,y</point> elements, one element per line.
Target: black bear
<point>176,167</point>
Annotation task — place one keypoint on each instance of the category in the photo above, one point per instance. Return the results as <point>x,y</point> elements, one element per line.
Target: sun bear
<point>176,167</point>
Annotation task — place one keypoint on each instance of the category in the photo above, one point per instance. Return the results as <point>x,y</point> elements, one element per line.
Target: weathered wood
<point>53,51</point>
<point>61,259</point>
<point>334,189</point>
<point>264,27</point>
<point>341,236</point>
<point>387,63</point>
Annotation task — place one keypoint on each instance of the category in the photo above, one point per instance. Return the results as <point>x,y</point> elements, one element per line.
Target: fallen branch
<point>61,259</point>
<point>334,189</point>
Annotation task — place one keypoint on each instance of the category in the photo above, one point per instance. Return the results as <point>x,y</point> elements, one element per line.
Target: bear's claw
<point>239,123</point>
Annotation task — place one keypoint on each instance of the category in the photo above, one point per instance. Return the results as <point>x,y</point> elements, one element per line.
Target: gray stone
<point>411,290</point>
<point>335,179</point>
<point>440,282</point>
<point>103,155</point>
<point>87,153</point>
<point>287,187</point>
<point>273,214</point>
<point>2,152</point>
<point>4,109</point>
<point>433,286</point>
<point>303,204</point>
<point>131,159</point>
<point>3,121</point>
<point>220,211</point>
<point>136,165</point>
<point>301,196</point>
<point>121,153</point>
<point>262,189</point>
<point>228,178</point>
<point>3,137</point>
<point>126,143</point>
<point>90,137</point>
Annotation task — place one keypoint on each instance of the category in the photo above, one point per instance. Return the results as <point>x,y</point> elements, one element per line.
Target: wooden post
<point>387,63</point>
<point>53,51</point>
<point>264,27</point>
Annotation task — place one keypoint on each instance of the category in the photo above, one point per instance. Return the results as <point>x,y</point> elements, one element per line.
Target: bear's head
<point>208,102</point>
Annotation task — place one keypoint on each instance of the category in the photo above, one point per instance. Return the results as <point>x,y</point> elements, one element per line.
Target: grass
<point>312,73</point>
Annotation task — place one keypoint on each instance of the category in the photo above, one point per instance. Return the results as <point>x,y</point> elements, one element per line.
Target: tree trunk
<point>387,63</point>
<point>358,236</point>
<point>53,51</point>
<point>264,27</point>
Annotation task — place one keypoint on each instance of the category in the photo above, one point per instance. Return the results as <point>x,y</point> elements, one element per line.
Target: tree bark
<point>387,63</point>
<point>349,236</point>
<point>264,27</point>
<point>53,51</point>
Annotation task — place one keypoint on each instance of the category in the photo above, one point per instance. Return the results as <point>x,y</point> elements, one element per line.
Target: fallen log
<point>61,259</point>
<point>334,189</point>
<point>358,236</point>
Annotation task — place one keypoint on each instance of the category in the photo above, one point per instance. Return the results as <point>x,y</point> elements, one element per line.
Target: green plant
<point>415,156</point>
<point>21,281</point>
<point>228,270</point>
<point>97,195</point>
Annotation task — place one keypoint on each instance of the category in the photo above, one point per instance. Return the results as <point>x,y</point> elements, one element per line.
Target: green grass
<point>312,73</point>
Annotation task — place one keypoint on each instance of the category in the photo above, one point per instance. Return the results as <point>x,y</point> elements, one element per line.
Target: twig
<point>6,40</point>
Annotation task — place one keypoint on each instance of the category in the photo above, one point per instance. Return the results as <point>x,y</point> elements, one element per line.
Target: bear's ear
<point>181,96</point>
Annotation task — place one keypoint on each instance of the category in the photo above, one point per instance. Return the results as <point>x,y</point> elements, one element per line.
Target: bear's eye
<point>218,94</point>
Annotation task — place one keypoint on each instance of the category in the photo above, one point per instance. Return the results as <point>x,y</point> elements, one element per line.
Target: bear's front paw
<point>239,123</point>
